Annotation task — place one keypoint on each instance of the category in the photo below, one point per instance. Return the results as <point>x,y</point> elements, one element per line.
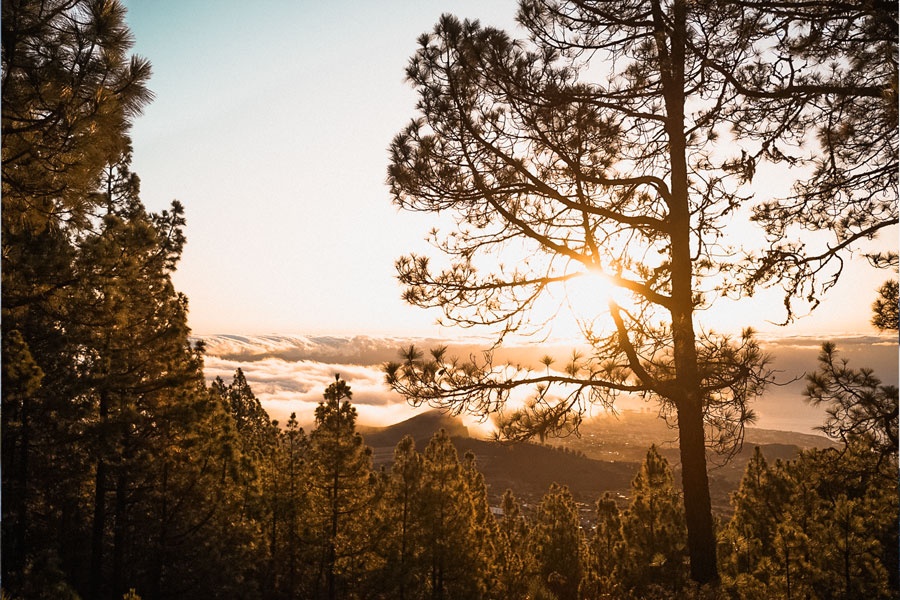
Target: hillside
<point>420,427</point>
<point>605,457</point>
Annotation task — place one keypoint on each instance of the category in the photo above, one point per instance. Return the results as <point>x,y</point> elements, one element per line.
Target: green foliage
<point>654,538</point>
<point>60,131</point>
<point>759,506</point>
<point>601,579</point>
<point>343,492</point>
<point>403,544</point>
<point>457,564</point>
<point>120,457</point>
<point>513,561</point>
<point>124,476</point>
<point>887,306</point>
<point>554,541</point>
<point>856,402</point>
<point>810,529</point>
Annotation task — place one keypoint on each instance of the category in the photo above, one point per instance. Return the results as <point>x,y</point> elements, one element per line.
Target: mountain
<point>420,427</point>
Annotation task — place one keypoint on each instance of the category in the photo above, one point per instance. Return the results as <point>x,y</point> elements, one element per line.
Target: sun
<point>579,305</point>
<point>588,295</point>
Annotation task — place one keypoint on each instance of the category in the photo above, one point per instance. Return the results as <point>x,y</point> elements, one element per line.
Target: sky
<point>271,125</point>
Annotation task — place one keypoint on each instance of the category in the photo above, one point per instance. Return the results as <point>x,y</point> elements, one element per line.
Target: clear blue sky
<point>270,124</point>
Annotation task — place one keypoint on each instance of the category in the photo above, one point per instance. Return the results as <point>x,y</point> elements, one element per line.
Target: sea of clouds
<point>289,372</point>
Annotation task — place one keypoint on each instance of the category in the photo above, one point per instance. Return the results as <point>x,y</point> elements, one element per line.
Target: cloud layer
<point>289,372</point>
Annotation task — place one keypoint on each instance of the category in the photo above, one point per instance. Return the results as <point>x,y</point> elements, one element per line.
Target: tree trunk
<point>99,524</point>
<point>119,538</point>
<point>16,559</point>
<point>687,396</point>
<point>403,529</point>
<point>697,506</point>
<point>98,529</point>
<point>159,560</point>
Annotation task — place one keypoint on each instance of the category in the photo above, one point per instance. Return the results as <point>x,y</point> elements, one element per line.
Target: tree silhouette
<point>885,307</point>
<point>856,402</point>
<point>573,171</point>
<point>827,69</point>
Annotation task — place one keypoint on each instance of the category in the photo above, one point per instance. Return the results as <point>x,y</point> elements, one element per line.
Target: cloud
<point>289,373</point>
<point>284,387</point>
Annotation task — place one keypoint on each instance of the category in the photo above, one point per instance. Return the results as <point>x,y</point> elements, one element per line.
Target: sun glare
<point>588,296</point>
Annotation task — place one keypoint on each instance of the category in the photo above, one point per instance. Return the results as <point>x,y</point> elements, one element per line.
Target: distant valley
<point>605,457</point>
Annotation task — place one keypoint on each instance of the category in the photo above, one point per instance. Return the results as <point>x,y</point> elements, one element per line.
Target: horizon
<point>288,373</point>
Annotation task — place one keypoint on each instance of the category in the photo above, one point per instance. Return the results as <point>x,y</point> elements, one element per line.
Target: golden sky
<point>271,123</point>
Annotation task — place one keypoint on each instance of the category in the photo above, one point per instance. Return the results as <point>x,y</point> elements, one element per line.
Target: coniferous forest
<point>126,475</point>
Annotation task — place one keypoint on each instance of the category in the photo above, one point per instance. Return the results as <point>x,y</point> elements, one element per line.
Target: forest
<point>126,474</point>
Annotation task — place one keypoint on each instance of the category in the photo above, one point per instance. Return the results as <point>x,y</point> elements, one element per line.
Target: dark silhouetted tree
<point>570,169</point>
<point>856,402</point>
<point>821,93</point>
<point>885,307</point>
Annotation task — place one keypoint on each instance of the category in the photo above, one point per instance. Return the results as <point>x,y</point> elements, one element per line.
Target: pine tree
<point>790,575</point>
<point>486,531</point>
<point>449,522</point>
<point>250,418</point>
<point>132,332</point>
<point>601,578</point>
<point>70,90</point>
<point>759,505</point>
<point>513,559</point>
<point>811,528</point>
<point>343,490</point>
<point>404,575</point>
<point>294,448</point>
<point>653,530</point>
<point>555,544</point>
<point>849,554</point>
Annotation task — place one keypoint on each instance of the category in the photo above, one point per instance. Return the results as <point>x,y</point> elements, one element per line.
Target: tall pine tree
<point>343,490</point>
<point>555,544</point>
<point>653,530</point>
